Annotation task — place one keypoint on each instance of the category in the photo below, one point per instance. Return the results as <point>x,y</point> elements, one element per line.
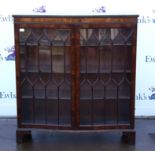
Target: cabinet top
<point>69,19</point>
<point>74,16</point>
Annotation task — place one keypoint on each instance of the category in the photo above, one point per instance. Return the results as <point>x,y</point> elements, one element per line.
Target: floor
<point>65,141</point>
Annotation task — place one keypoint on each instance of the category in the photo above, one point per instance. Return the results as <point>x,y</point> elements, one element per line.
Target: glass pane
<point>85,112</point>
<point>24,33</point>
<point>40,111</point>
<point>98,90</point>
<point>128,59</point>
<point>65,90</point>
<point>22,58</point>
<point>105,59</point>
<point>92,60</point>
<point>58,59</point>
<point>64,112</point>
<point>85,103</point>
<point>105,56</point>
<point>105,37</point>
<point>44,58</point>
<point>121,36</point>
<point>85,90</point>
<point>39,89</point>
<point>33,37</point>
<point>83,58</point>
<point>111,90</point>
<point>32,58</point>
<point>61,37</point>
<point>89,60</point>
<point>119,59</point>
<point>61,59</point>
<point>124,90</point>
<point>46,65</point>
<point>52,111</point>
<point>43,39</point>
<point>124,111</point>
<point>110,106</point>
<point>27,110</point>
<point>51,90</point>
<point>89,37</point>
<point>26,88</point>
<point>99,112</point>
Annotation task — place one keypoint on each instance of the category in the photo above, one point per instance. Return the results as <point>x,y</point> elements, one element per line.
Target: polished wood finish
<point>23,136</point>
<point>75,72</point>
<point>129,137</point>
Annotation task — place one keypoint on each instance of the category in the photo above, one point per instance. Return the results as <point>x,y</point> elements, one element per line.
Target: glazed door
<point>105,77</point>
<point>45,77</point>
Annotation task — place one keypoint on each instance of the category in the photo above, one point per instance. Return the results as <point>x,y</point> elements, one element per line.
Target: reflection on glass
<point>24,34</point>
<point>61,37</point>
<point>89,37</point>
<point>105,36</point>
<point>114,33</point>
<point>61,59</point>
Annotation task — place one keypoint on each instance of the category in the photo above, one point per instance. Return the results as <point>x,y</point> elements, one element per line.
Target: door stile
<point>75,61</point>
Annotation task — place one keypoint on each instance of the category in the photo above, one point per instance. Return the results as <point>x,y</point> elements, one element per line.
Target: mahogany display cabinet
<point>75,73</point>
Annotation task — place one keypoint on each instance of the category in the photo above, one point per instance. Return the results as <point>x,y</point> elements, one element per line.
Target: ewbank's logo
<point>149,59</point>
<point>152,90</point>
<point>101,9</point>
<point>11,53</point>
<point>40,9</point>
<point>8,54</point>
<point>148,95</point>
<point>7,95</point>
<point>6,18</point>
<point>146,19</point>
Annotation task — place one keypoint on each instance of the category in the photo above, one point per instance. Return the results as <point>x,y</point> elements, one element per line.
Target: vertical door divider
<point>75,61</point>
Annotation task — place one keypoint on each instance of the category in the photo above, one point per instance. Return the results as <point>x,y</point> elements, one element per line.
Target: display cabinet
<point>75,73</point>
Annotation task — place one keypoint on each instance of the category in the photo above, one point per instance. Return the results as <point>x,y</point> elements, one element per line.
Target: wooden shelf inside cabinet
<point>75,73</point>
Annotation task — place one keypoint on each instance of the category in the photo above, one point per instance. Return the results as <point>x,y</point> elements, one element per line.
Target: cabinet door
<point>45,76</point>
<point>105,76</point>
